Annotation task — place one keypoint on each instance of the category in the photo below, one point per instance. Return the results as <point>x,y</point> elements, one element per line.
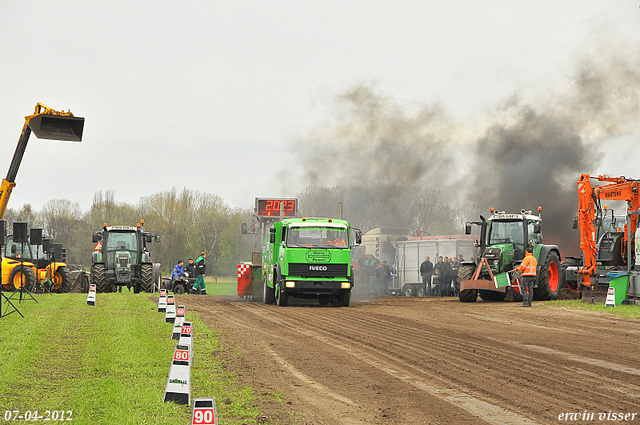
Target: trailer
<point>410,254</point>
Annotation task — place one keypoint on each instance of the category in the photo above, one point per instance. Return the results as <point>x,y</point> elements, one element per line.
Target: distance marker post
<point>204,411</point>
<point>170,313</point>
<point>91,296</point>
<point>178,387</point>
<point>178,323</point>
<point>186,338</point>
<point>162,301</point>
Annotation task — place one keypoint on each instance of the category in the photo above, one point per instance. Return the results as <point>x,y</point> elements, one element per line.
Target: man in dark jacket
<point>190,268</point>
<point>201,270</point>
<point>455,265</point>
<point>446,277</point>
<point>426,271</point>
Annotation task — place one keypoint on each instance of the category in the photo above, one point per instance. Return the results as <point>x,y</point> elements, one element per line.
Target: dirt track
<point>429,361</point>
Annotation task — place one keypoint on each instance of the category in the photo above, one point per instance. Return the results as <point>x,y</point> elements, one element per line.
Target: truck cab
<point>308,258</point>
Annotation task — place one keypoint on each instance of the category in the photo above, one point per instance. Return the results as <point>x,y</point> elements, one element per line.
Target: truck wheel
<point>344,298</point>
<point>22,276</point>
<point>408,291</point>
<point>282,298</point>
<point>178,289</point>
<point>549,279</point>
<point>464,273</point>
<point>99,277</point>
<point>146,273</point>
<point>61,280</point>
<point>268,297</point>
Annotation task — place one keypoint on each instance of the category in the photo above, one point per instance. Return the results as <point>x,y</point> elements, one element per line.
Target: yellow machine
<point>22,268</point>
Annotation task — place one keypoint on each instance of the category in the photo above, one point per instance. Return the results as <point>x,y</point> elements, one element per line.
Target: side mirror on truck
<point>272,235</point>
<point>358,236</point>
<point>243,227</point>
<point>467,228</point>
<point>97,237</point>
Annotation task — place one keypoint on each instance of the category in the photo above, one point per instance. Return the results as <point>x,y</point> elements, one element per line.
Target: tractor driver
<point>177,271</point>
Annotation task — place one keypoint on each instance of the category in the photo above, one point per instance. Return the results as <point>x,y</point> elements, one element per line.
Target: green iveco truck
<point>308,258</point>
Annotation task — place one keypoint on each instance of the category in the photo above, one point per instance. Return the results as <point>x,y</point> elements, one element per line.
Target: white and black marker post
<point>177,324</point>
<point>162,301</point>
<point>170,313</point>
<point>186,338</point>
<point>178,387</point>
<point>203,411</point>
<point>91,296</point>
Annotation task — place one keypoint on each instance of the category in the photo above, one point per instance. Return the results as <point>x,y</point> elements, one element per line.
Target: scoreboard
<point>270,207</point>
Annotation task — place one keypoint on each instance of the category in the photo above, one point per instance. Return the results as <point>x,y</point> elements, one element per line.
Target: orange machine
<point>613,248</point>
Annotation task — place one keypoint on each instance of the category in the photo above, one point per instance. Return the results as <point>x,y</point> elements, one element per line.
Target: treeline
<point>189,222</point>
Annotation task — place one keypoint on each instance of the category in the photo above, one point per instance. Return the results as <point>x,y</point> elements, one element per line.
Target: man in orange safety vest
<point>528,269</point>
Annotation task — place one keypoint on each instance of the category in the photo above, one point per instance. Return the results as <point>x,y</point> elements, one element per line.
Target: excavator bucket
<point>57,127</point>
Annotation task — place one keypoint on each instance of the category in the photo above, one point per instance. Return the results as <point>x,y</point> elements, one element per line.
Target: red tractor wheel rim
<point>553,276</point>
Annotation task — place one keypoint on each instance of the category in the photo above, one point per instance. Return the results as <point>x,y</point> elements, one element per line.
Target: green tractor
<point>503,242</point>
<point>121,258</point>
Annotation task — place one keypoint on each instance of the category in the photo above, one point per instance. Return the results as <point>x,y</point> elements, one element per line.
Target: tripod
<point>4,298</point>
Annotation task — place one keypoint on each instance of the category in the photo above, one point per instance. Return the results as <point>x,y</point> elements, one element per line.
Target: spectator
<point>201,270</point>
<point>177,271</point>
<point>379,279</point>
<point>455,265</point>
<point>387,278</point>
<point>426,271</point>
<point>190,268</point>
<point>446,278</point>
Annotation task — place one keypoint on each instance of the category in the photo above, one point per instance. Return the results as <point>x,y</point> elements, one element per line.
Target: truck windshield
<point>318,237</point>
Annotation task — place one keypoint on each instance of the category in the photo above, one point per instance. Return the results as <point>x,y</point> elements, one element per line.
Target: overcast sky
<point>209,95</point>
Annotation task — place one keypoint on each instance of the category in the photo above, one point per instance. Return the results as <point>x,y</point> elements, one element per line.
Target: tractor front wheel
<point>549,279</point>
<point>465,272</point>
<point>146,273</point>
<point>99,277</point>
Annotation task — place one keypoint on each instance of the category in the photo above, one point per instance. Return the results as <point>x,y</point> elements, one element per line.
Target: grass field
<point>626,311</point>
<point>108,364</point>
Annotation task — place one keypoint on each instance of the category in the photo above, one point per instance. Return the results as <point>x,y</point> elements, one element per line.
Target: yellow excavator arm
<point>45,123</point>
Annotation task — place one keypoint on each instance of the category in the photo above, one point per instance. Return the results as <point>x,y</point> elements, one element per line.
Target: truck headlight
<point>345,285</point>
<point>290,284</point>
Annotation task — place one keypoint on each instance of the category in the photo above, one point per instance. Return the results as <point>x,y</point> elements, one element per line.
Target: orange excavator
<point>605,248</point>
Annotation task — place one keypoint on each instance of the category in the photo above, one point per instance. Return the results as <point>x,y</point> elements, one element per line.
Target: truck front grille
<point>318,270</point>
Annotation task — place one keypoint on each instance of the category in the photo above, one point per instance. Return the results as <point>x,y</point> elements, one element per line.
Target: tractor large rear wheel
<point>549,279</point>
<point>464,273</point>
<point>146,274</point>
<point>99,277</point>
